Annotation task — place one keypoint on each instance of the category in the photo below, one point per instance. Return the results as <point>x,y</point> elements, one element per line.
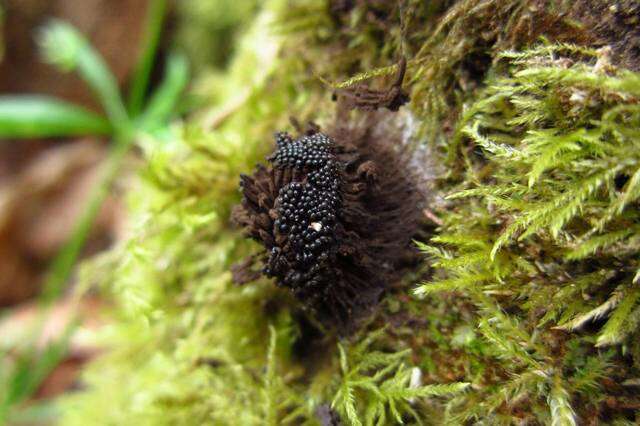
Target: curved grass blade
<point>41,116</point>
<point>165,97</point>
<point>63,46</point>
<point>62,265</point>
<point>155,16</point>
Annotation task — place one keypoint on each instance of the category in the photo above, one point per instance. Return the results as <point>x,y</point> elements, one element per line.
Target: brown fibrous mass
<point>335,212</point>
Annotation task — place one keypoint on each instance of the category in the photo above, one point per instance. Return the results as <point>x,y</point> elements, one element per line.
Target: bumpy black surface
<point>336,217</point>
<point>306,211</point>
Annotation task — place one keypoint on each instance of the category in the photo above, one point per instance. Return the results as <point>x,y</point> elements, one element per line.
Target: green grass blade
<point>30,370</point>
<point>63,264</point>
<point>155,17</point>
<point>41,116</point>
<point>62,45</point>
<point>164,99</point>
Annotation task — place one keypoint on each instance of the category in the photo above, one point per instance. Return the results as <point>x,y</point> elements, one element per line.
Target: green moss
<point>532,296</point>
<point>208,30</point>
<point>550,252</point>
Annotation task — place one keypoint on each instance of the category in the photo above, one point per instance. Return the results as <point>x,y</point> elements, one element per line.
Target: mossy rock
<point>524,117</point>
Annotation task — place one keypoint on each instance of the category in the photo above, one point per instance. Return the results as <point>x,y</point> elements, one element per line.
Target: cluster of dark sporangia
<point>305,211</point>
<point>335,216</point>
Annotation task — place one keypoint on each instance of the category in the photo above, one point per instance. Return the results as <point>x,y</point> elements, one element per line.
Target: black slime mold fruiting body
<point>306,213</point>
<point>336,217</point>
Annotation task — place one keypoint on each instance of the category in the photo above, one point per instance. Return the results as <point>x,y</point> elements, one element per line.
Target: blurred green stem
<point>63,263</point>
<point>33,116</point>
<point>32,366</point>
<point>93,69</point>
<point>165,97</point>
<point>155,17</point>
